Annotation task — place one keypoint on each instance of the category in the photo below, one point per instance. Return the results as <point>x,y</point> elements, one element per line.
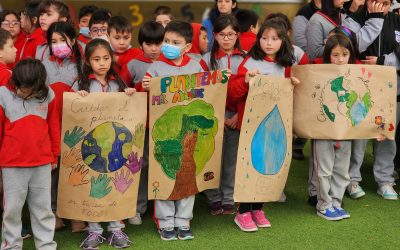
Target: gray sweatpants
<point>224,194</point>
<point>174,213</point>
<point>142,193</point>
<point>113,226</point>
<point>331,160</point>
<point>32,184</point>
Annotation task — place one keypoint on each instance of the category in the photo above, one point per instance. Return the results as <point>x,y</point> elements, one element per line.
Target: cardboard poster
<point>345,102</point>
<point>101,155</point>
<point>186,132</point>
<point>265,144</point>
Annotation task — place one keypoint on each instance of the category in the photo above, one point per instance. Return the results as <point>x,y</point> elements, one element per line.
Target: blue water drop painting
<point>268,147</point>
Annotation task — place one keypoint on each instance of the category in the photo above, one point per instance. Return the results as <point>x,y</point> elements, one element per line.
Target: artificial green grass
<point>374,223</point>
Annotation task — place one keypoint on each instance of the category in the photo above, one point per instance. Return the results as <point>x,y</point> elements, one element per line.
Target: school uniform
<point>34,40</point>
<point>300,22</point>
<point>224,193</point>
<point>18,44</point>
<point>247,40</point>
<point>125,57</point>
<point>174,213</point>
<point>5,74</point>
<point>84,39</point>
<point>30,142</point>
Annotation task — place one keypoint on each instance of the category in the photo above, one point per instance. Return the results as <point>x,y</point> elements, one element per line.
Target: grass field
<point>374,223</point>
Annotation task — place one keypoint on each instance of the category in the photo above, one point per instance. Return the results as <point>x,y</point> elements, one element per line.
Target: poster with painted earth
<point>101,155</point>
<point>186,129</point>
<point>345,102</point>
<point>265,144</point>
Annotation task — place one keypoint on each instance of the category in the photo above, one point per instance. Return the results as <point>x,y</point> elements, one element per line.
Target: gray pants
<point>331,160</point>
<point>228,170</point>
<point>95,227</point>
<point>174,213</point>
<point>384,152</point>
<point>32,184</point>
<point>142,193</point>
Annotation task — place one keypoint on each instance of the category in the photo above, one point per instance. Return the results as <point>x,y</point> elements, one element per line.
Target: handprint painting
<point>103,140</point>
<point>186,130</point>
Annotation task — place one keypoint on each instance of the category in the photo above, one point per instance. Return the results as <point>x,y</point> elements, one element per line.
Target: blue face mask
<point>85,31</point>
<point>170,51</point>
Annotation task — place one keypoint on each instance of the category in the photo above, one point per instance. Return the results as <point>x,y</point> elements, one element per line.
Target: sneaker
<point>119,239</point>
<point>259,218</point>
<point>136,220</point>
<point>25,234</point>
<point>185,233</point>
<point>228,209</point>
<point>245,222</point>
<point>312,200</point>
<point>216,208</point>
<point>343,213</point>
<point>387,192</point>
<point>78,226</point>
<point>298,154</point>
<point>92,242</point>
<point>329,214</point>
<point>355,191</point>
<point>168,233</point>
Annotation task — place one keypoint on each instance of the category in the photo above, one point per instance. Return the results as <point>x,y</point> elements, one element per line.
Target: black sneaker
<point>312,200</point>
<point>297,154</point>
<point>92,242</point>
<point>229,209</point>
<point>185,233</point>
<point>216,208</point>
<point>168,233</point>
<point>25,234</point>
<point>119,239</point>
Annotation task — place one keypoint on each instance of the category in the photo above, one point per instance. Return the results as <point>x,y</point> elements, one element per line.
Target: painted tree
<point>184,143</point>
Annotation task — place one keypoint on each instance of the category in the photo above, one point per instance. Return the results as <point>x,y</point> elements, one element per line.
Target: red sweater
<point>125,57</point>
<point>5,74</point>
<point>30,130</point>
<point>247,40</point>
<point>34,40</point>
<point>83,39</point>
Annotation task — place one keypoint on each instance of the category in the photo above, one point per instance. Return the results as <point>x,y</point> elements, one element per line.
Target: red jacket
<point>34,40</point>
<point>30,130</point>
<point>5,74</point>
<point>125,57</point>
<point>83,39</point>
<point>247,40</point>
<point>18,44</point>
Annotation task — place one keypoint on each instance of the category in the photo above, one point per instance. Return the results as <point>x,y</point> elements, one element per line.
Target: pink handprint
<point>134,164</point>
<point>121,182</point>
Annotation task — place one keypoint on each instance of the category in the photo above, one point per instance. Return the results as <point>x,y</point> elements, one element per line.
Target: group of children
<point>42,56</point>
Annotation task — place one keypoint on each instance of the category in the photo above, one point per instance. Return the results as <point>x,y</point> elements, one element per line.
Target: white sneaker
<point>136,220</point>
<point>355,191</point>
<point>387,192</point>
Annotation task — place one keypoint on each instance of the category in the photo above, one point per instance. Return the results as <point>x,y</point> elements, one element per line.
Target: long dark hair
<point>342,41</point>
<point>84,81</point>
<point>214,13</point>
<point>328,8</point>
<point>31,74</point>
<point>220,24</point>
<point>351,35</point>
<point>285,56</point>
<point>66,30</point>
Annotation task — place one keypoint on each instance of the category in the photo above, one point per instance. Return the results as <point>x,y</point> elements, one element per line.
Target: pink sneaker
<point>245,222</point>
<point>259,218</point>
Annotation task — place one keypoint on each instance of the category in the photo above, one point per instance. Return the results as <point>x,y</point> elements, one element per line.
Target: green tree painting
<point>184,142</point>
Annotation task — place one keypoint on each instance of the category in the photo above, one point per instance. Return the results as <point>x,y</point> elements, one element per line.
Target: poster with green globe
<point>186,129</point>
<point>101,155</point>
<point>343,102</point>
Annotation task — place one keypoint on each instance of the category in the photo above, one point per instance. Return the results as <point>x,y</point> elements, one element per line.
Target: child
<point>98,24</point>
<point>226,54</point>
<point>85,13</point>
<point>199,42</point>
<point>62,60</point>
<point>332,158</point>
<point>30,24</point>
<point>120,35</point>
<point>273,54</point>
<point>11,21</point>
<point>99,76</point>
<point>151,35</point>
<point>8,54</point>
<point>248,21</point>
<point>171,214</point>
<point>30,145</point>
<point>163,15</point>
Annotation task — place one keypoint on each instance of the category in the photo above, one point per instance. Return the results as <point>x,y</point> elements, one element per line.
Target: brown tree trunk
<point>185,182</point>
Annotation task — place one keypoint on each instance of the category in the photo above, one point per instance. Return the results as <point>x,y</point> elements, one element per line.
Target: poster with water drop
<point>265,144</point>
<point>101,155</point>
<point>344,102</point>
